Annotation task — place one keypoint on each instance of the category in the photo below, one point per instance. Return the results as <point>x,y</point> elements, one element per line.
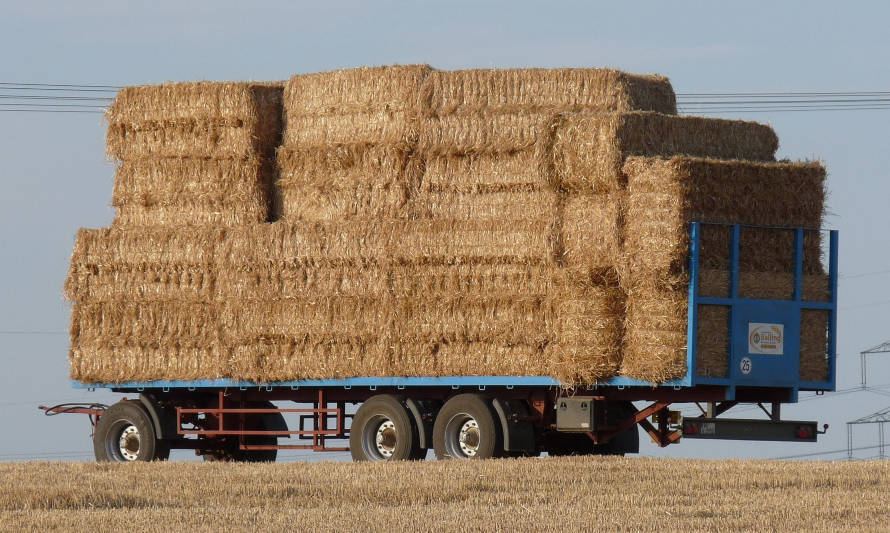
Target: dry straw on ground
<point>524,495</point>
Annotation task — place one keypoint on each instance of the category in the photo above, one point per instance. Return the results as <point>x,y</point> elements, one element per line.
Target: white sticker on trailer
<point>768,339</point>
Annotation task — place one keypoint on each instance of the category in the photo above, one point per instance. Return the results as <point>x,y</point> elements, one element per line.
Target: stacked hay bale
<point>480,222</point>
<point>487,139</point>
<point>194,153</point>
<point>194,157</point>
<point>664,196</point>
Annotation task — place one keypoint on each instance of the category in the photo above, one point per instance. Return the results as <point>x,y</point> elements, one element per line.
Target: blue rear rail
<point>778,368</point>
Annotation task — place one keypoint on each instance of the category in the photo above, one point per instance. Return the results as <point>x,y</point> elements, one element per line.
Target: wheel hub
<point>129,443</point>
<point>386,438</point>
<point>469,438</point>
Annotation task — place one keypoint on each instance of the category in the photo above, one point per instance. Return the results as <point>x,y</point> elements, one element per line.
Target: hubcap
<point>386,438</point>
<point>128,444</point>
<point>463,440</point>
<point>469,437</point>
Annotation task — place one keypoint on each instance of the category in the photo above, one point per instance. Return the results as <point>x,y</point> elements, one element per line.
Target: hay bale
<point>109,282</point>
<point>345,182</point>
<point>586,345</point>
<point>654,346</point>
<point>501,203</point>
<point>362,106</point>
<point>590,231</point>
<point>712,341</point>
<point>188,180</point>
<point>532,90</point>
<point>814,345</point>
<point>485,132</point>
<point>196,214</point>
<point>664,195</point>
<point>116,323</point>
<point>203,119</point>
<point>485,172</point>
<point>107,363</point>
<point>590,149</point>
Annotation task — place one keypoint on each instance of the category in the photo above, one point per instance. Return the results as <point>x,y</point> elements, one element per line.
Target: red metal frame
<point>662,435</point>
<point>319,433</point>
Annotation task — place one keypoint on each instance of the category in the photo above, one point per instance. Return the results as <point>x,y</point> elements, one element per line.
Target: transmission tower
<point>880,418</point>
<point>884,347</point>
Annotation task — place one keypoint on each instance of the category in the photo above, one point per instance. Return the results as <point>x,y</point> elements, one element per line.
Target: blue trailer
<point>474,417</point>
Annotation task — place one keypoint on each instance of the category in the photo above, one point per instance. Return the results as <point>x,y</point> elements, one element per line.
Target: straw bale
<point>282,359</point>
<point>105,282</point>
<point>345,182</point>
<point>363,106</point>
<point>712,341</point>
<point>590,149</point>
<point>355,90</point>
<point>664,195</point>
<point>190,214</point>
<point>591,230</point>
<point>468,359</point>
<point>498,204</point>
<point>194,138</point>
<point>178,180</point>
<point>654,347</point>
<point>363,242</point>
<point>485,172</point>
<point>204,119</point>
<point>655,337</point>
<point>286,359</point>
<point>250,102</point>
<point>106,363</point>
<point>814,345</point>
<point>485,132</point>
<point>587,335</point>
<point>533,90</point>
<point>189,324</point>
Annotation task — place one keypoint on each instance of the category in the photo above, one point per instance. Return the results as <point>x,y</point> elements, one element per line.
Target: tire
<point>231,451</point>
<point>383,430</point>
<point>125,433</point>
<point>467,428</point>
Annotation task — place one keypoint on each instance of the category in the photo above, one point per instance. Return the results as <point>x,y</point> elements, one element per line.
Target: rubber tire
<point>115,419</point>
<point>480,409</point>
<point>233,454</point>
<point>391,407</point>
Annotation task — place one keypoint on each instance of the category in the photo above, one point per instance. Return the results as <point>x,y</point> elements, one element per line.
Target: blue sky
<point>55,177</point>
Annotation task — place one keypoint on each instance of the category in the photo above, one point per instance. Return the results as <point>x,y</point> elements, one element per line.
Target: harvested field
<point>549,494</point>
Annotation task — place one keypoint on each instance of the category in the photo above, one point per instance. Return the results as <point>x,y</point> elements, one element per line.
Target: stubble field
<point>547,494</point>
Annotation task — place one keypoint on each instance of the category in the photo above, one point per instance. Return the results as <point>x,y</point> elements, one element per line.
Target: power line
<point>817,454</point>
<point>66,85</point>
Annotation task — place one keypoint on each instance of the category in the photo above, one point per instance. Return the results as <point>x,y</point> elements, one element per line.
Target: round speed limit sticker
<point>745,365</point>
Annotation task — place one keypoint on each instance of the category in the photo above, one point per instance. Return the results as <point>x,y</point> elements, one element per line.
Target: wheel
<point>465,429</point>
<point>382,430</point>
<point>125,433</point>
<point>231,451</point>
